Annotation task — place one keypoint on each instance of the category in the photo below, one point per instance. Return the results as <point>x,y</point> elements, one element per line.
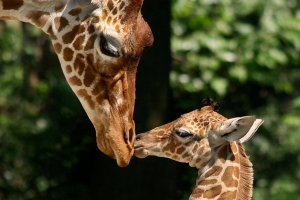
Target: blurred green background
<point>243,54</point>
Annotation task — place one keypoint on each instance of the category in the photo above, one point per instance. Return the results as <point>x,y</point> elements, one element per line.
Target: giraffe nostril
<point>138,137</point>
<point>129,137</point>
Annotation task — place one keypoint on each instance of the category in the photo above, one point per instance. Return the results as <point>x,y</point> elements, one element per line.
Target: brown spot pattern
<point>110,5</point>
<point>227,195</point>
<point>115,11</point>
<point>232,158</point>
<point>50,32</point>
<point>213,192</point>
<point>74,80</point>
<point>168,154</point>
<point>227,177</point>
<point>98,88</point>
<point>57,48</point>
<point>197,193</point>
<point>109,20</point>
<point>69,37</point>
<point>90,42</point>
<point>75,11</point>
<point>115,20</point>
<point>207,154</point>
<point>91,29</point>
<point>185,155</point>
<point>180,150</point>
<point>90,59</point>
<point>81,29</point>
<point>96,19</point>
<point>101,98</point>
<point>121,5</point>
<point>198,160</point>
<point>78,43</point>
<point>208,182</point>
<point>60,7</point>
<point>12,5</point>
<point>79,64</point>
<point>68,69</point>
<point>170,147</point>
<point>204,164</point>
<point>195,148</point>
<point>104,14</point>
<point>89,77</point>
<point>83,94</point>
<point>215,170</point>
<point>156,149</point>
<point>39,18</point>
<point>60,23</point>
<point>68,54</point>
<point>223,153</point>
<point>200,151</point>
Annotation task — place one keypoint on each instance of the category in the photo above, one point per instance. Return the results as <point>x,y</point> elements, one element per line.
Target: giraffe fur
<point>211,143</point>
<point>99,44</point>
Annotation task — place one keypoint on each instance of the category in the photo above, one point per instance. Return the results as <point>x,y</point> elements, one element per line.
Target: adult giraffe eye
<point>108,47</point>
<point>183,133</point>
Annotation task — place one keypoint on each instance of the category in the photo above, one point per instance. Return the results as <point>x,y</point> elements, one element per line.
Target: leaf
<point>219,85</point>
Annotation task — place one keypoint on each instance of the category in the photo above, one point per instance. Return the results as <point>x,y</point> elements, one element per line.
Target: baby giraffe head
<point>194,137</point>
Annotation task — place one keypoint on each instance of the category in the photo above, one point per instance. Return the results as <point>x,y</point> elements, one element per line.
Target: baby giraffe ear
<point>239,128</point>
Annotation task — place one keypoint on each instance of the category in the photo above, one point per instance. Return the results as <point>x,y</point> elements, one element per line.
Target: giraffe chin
<point>140,152</point>
<point>115,147</point>
<point>123,160</point>
<point>123,155</point>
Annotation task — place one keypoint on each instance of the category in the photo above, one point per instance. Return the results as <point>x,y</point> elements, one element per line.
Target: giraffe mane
<point>246,174</point>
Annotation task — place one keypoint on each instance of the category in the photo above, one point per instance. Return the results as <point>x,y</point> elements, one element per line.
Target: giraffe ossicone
<point>99,44</point>
<point>211,143</point>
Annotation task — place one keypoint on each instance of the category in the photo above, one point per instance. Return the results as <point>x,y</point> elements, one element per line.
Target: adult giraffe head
<point>99,44</point>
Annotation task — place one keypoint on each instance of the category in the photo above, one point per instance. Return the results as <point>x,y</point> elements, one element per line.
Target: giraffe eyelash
<point>183,133</point>
<point>108,48</point>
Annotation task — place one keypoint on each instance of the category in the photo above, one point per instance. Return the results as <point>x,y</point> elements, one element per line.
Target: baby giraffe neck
<point>229,175</point>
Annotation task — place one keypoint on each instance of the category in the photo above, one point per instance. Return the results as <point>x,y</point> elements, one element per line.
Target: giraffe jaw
<point>115,135</point>
<point>140,152</point>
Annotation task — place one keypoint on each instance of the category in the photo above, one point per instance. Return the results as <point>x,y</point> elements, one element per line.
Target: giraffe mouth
<point>128,142</point>
<point>140,151</point>
<point>116,140</point>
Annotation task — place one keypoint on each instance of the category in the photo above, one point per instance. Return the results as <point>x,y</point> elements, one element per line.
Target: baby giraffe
<point>211,143</point>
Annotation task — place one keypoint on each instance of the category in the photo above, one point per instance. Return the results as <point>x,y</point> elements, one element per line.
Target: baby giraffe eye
<point>183,133</point>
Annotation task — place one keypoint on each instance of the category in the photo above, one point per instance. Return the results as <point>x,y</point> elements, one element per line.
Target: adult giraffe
<point>99,44</point>
<point>211,143</point>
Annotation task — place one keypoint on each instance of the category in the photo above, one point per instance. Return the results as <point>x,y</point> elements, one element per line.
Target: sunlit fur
<point>104,82</point>
<point>202,138</point>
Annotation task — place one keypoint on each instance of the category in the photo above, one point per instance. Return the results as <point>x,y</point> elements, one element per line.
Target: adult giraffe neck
<point>99,44</point>
<point>228,176</point>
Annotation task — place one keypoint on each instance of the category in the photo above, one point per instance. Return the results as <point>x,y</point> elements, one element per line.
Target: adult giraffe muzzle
<point>99,44</point>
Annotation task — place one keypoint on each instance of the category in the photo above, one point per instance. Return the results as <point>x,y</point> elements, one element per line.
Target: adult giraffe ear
<point>239,128</point>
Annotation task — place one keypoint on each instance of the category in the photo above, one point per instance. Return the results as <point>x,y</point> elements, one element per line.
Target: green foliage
<point>38,118</point>
<point>245,54</point>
